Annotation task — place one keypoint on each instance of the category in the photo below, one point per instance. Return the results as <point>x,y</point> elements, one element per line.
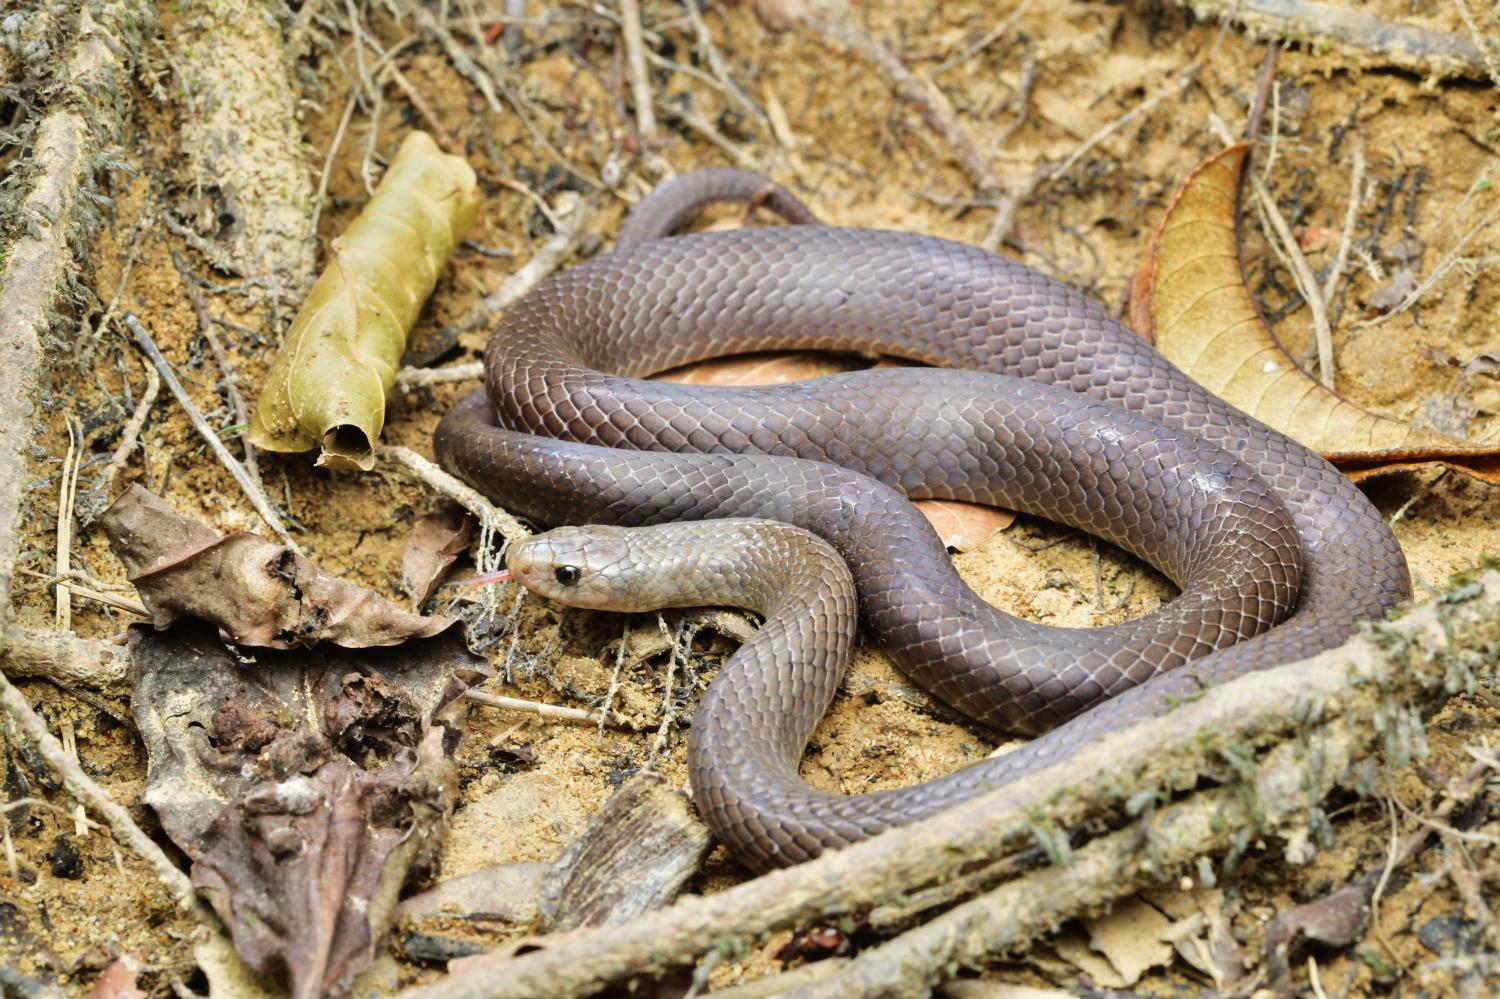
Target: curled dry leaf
<point>258,593</point>
<point>304,788</point>
<point>1190,299</point>
<point>329,383</point>
<point>436,542</point>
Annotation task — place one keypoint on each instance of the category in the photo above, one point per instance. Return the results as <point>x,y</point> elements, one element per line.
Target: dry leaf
<point>1190,299</point>
<point>1335,919</point>
<point>258,593</point>
<point>435,543</point>
<point>329,383</point>
<point>1130,938</point>
<point>304,788</point>
<point>118,981</point>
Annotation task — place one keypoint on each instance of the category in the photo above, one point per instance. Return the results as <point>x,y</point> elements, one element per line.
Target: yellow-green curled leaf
<point>328,385</point>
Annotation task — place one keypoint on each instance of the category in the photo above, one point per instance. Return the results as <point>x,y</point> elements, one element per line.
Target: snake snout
<point>581,566</point>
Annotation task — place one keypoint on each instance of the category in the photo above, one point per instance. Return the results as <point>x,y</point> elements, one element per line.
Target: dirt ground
<point>860,156</point>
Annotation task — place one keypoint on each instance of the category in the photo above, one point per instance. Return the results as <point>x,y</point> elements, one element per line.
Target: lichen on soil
<point>862,157</point>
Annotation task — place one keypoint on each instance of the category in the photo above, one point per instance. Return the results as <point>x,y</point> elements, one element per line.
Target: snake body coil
<point>1071,417</point>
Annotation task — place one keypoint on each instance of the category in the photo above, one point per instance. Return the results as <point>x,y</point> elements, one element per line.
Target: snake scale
<point>1065,414</point>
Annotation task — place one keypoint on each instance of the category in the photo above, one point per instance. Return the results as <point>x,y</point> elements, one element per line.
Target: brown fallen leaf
<point>118,981</point>
<point>258,593</point>
<point>435,543</point>
<point>304,788</point>
<point>1189,298</point>
<point>1335,919</point>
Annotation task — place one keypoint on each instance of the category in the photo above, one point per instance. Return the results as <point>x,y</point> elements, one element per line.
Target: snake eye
<point>567,575</point>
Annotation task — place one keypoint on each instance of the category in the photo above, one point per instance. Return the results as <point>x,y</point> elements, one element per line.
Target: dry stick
<point>635,65</point>
<point>1351,216</point>
<point>131,436</point>
<point>1307,283</point>
<point>206,324</point>
<point>929,100</point>
<point>705,128</point>
<point>64,659</point>
<point>509,527</point>
<point>92,795</point>
<point>1364,685</point>
<point>1420,50</point>
<point>1109,868</point>
<point>710,54</point>
<point>560,245</point>
<point>1444,266</point>
<point>544,710</point>
<point>413,377</point>
<point>67,497</point>
<point>1491,61</point>
<point>252,492</point>
<point>1184,78</point>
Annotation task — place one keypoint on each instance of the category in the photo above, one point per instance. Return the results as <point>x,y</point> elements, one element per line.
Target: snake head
<point>594,566</point>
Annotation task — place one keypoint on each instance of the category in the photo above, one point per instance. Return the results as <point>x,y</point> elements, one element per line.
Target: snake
<point>795,501</point>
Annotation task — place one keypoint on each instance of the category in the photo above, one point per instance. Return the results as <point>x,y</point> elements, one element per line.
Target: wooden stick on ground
<point>66,766</point>
<point>242,478</point>
<point>1268,736</point>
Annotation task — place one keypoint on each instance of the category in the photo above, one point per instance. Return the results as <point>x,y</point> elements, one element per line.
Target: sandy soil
<point>860,157</point>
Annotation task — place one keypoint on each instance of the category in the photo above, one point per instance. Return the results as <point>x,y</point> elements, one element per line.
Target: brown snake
<point>1093,429</point>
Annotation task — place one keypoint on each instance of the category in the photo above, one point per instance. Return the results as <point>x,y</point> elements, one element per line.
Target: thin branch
<point>68,770</point>
<point>509,527</point>
<point>552,711</point>
<point>635,65</point>
<point>242,478</point>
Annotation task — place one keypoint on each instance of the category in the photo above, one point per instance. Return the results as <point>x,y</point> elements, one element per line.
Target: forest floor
<point>1055,77</point>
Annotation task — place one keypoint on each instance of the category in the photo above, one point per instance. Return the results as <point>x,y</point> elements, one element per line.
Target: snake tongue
<point>485,578</point>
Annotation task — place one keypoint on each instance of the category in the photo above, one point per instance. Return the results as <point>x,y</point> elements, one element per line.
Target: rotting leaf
<point>1335,919</point>
<point>435,543</point>
<point>304,788</point>
<point>329,383</point>
<point>258,593</point>
<point>1189,298</point>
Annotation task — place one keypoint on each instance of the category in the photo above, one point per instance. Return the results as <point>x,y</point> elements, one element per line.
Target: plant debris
<point>1190,300</point>
<point>328,385</point>
<point>304,786</point>
<point>435,543</point>
<point>258,593</point>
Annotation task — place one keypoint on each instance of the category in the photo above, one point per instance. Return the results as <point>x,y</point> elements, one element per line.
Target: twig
<point>1330,701</point>
<point>1420,50</point>
<point>62,658</point>
<point>1351,217</point>
<point>221,358</point>
<point>321,195</point>
<point>710,54</point>
<point>1007,206</point>
<point>1450,259</point>
<point>412,377</point>
<point>552,711</point>
<point>1184,78</point>
<point>252,492</point>
<point>574,212</point>
<point>178,885</point>
<point>827,20</point>
<point>509,527</point>
<point>1491,62</point>
<point>635,65</point>
<point>131,436</point>
<point>66,500</point>
<point>1307,283</point>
